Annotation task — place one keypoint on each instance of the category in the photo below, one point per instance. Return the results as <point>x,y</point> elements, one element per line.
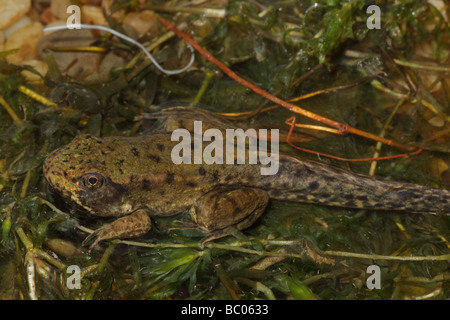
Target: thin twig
<point>379,145</point>
<point>291,107</point>
<point>417,65</point>
<point>292,122</point>
<point>11,112</point>
<point>238,247</point>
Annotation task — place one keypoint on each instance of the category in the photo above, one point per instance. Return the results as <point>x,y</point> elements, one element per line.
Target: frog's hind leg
<point>130,226</point>
<point>222,210</point>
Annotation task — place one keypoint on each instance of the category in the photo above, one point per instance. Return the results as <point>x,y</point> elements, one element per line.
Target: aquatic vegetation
<point>391,82</point>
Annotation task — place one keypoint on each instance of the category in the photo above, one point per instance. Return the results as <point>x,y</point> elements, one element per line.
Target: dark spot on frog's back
<point>134,151</point>
<point>362,198</point>
<point>404,194</point>
<point>98,141</point>
<point>146,185</point>
<point>432,198</point>
<point>155,158</point>
<point>313,186</point>
<point>305,170</point>
<point>170,177</point>
<point>201,171</point>
<point>160,147</point>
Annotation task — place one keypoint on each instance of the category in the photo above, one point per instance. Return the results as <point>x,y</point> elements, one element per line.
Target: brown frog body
<point>133,178</point>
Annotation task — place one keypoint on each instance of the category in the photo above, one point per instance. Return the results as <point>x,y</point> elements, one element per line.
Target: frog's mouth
<point>54,189</point>
<point>65,201</point>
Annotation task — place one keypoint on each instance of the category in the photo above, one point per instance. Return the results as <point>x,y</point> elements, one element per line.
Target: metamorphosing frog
<point>132,178</point>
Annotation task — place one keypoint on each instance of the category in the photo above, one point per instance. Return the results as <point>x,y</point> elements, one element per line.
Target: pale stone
<point>63,247</point>
<point>26,40</point>
<point>39,66</point>
<point>59,8</point>
<point>140,22</point>
<point>109,62</point>
<point>34,14</point>
<point>106,5</point>
<point>92,15</point>
<point>75,64</point>
<point>12,10</point>
<point>2,41</point>
<point>439,4</point>
<point>16,26</point>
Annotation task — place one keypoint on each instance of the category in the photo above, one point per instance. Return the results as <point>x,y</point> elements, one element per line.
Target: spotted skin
<point>125,176</point>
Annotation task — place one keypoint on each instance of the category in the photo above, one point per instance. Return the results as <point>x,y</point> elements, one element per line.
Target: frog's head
<point>79,172</point>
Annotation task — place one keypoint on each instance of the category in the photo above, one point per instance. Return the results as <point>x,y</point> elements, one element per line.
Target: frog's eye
<point>92,180</point>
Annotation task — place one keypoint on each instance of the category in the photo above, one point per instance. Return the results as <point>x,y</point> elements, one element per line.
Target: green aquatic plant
<point>295,251</point>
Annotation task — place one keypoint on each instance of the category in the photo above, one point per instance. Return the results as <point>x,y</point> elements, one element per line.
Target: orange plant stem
<point>291,107</point>
<point>291,123</point>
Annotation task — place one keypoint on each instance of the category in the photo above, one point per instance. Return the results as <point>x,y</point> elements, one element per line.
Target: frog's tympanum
<point>133,178</point>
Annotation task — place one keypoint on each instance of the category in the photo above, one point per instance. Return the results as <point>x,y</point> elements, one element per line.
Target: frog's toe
<point>96,237</point>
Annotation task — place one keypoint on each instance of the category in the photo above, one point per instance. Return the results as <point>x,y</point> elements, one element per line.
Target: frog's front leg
<point>221,210</point>
<point>130,226</point>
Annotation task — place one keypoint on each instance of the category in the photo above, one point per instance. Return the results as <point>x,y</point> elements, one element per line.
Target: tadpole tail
<point>306,181</point>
